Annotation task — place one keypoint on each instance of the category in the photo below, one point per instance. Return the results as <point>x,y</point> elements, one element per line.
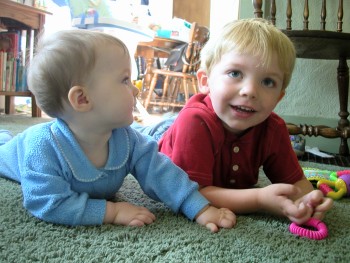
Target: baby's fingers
<point>212,227</point>
<point>214,218</point>
<point>227,218</point>
<point>142,219</point>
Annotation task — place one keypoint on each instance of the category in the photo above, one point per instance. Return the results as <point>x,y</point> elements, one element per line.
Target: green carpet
<point>172,238</point>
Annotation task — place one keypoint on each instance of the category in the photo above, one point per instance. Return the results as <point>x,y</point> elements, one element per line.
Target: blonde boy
<point>223,136</point>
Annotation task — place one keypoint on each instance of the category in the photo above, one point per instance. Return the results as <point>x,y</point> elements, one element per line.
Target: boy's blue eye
<point>235,74</point>
<point>268,82</point>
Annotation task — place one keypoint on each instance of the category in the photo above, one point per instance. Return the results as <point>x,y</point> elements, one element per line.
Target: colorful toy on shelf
<point>332,184</point>
<point>337,187</point>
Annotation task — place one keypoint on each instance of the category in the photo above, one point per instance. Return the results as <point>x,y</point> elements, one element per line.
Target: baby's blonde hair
<point>63,60</point>
<point>256,37</point>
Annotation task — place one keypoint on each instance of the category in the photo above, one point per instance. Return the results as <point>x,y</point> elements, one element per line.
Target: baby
<point>71,168</point>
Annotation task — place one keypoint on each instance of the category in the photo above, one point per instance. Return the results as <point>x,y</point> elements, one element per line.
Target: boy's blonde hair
<point>63,60</point>
<point>256,37</point>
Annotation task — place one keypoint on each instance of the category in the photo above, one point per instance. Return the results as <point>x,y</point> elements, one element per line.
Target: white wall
<point>221,12</point>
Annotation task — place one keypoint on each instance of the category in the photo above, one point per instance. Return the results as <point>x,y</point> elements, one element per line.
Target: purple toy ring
<point>321,231</point>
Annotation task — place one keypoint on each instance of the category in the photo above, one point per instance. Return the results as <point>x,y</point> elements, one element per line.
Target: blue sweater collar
<point>81,167</point>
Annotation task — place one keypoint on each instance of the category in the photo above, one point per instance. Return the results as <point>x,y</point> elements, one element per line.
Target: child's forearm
<point>238,201</point>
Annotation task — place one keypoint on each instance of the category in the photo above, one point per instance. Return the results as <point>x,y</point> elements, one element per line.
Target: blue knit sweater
<point>60,185</point>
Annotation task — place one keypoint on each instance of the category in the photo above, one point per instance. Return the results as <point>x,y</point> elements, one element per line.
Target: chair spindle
<point>273,12</point>
<point>323,15</point>
<point>289,15</point>
<point>257,8</point>
<point>340,17</point>
<point>306,15</point>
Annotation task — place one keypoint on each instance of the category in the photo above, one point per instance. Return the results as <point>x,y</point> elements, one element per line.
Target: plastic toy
<point>319,233</point>
<point>314,175</point>
<point>338,185</point>
<point>332,184</point>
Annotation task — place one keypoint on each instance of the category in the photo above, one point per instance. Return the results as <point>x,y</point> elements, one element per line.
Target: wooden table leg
<point>36,111</point>
<point>9,105</point>
<point>343,90</point>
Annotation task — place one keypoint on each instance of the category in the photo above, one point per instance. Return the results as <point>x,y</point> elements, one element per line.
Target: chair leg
<point>184,83</point>
<point>194,86</point>
<point>165,88</point>
<point>151,90</point>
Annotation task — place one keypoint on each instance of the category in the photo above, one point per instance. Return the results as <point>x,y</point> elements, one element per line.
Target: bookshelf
<point>17,16</point>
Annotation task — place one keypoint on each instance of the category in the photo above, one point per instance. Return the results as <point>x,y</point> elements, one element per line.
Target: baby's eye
<point>126,81</point>
<point>235,74</point>
<point>268,82</point>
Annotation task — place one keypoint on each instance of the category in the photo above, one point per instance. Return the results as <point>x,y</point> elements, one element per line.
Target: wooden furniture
<point>320,44</point>
<point>194,10</point>
<point>176,85</point>
<point>158,48</point>
<point>21,17</point>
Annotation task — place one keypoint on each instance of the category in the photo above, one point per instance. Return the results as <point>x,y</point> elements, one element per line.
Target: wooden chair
<point>177,85</point>
<point>319,44</point>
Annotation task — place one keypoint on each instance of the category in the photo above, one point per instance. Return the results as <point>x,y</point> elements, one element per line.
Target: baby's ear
<point>79,99</point>
<point>202,80</point>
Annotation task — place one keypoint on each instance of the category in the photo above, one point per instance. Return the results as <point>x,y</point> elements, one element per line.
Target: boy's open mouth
<point>243,109</point>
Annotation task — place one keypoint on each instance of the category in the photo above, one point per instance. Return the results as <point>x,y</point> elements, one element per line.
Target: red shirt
<point>211,155</point>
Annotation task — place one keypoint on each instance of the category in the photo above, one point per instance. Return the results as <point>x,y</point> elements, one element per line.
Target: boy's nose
<point>249,90</point>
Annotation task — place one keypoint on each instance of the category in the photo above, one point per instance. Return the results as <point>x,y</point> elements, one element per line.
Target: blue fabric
<point>157,130</point>
<point>60,184</point>
<point>5,136</point>
<point>60,2</point>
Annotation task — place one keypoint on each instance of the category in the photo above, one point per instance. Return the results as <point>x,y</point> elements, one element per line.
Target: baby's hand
<point>214,218</point>
<point>123,213</point>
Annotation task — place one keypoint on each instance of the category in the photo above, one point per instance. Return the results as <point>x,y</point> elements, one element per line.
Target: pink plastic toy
<point>336,188</point>
<point>319,233</point>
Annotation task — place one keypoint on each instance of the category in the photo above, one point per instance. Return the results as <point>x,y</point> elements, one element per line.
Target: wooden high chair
<point>177,85</point>
<point>319,44</point>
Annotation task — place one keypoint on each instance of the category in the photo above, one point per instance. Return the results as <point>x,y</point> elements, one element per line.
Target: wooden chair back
<point>322,12</point>
<point>180,84</point>
<point>198,36</point>
<point>326,43</point>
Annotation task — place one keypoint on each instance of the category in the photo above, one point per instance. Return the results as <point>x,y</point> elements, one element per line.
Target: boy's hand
<point>214,218</point>
<point>123,213</point>
<point>276,198</point>
<point>317,202</point>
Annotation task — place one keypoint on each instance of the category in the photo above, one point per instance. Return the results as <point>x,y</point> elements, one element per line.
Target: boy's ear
<point>281,95</point>
<point>202,79</point>
<point>79,98</point>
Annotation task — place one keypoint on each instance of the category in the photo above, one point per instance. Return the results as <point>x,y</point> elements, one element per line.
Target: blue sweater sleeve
<point>33,159</point>
<point>162,180</point>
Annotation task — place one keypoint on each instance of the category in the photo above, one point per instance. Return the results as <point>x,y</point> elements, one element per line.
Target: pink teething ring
<point>321,231</point>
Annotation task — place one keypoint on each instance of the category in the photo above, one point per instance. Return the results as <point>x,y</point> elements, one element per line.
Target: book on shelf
<point>13,48</point>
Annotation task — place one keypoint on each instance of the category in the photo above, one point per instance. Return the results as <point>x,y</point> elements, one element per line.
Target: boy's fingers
<point>287,190</point>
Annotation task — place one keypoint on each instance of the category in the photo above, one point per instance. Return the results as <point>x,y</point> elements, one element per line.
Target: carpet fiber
<point>171,238</point>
